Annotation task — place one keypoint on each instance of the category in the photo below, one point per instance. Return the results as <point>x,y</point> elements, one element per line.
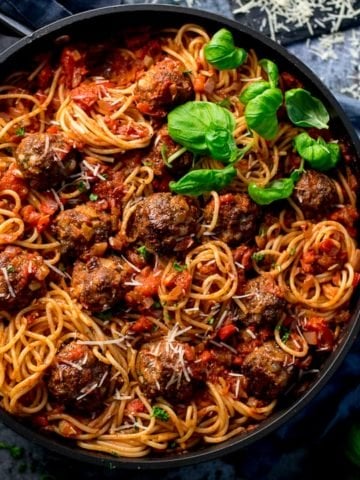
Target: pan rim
<point>332,363</point>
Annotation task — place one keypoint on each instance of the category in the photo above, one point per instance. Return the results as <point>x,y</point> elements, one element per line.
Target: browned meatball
<point>166,223</point>
<point>78,379</point>
<point>163,369</point>
<point>164,145</point>
<point>45,159</point>
<point>263,299</point>
<point>97,284</point>
<point>22,277</point>
<point>80,228</point>
<point>162,87</point>
<point>266,371</point>
<point>238,218</point>
<point>315,193</point>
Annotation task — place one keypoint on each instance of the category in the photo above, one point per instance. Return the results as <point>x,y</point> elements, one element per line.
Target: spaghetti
<point>135,321</point>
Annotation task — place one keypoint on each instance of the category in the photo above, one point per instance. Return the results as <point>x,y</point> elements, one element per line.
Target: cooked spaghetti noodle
<point>133,320</point>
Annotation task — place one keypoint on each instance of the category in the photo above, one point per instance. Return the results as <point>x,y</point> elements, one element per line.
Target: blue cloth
<point>313,443</point>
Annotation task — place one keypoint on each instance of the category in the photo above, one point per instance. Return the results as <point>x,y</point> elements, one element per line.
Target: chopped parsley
<point>160,413</point>
<point>178,267</point>
<point>143,252</point>
<point>211,320</point>
<point>93,197</point>
<point>156,304</point>
<point>292,251</point>
<point>258,256</point>
<point>10,269</point>
<point>284,332</point>
<point>15,451</point>
<point>82,187</point>
<point>20,132</point>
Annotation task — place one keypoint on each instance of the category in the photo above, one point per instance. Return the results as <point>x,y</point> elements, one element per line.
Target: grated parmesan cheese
<point>284,15</point>
<point>8,284</point>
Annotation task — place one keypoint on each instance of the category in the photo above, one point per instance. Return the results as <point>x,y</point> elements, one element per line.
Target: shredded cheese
<point>8,284</point>
<point>285,15</point>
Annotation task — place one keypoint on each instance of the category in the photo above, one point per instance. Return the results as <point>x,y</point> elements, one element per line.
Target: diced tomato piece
<point>142,324</point>
<point>206,356</point>
<point>12,179</point>
<point>135,406</point>
<point>226,331</point>
<point>199,83</point>
<point>325,336</point>
<point>73,64</point>
<point>85,95</point>
<point>52,129</point>
<point>34,218</point>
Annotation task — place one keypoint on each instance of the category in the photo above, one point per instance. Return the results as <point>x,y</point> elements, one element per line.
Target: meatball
<point>78,379</point>
<point>237,220</point>
<point>166,223</point>
<point>45,159</point>
<point>97,284</point>
<point>163,369</point>
<point>266,371</point>
<point>22,277</point>
<point>165,146</point>
<point>162,87</point>
<point>315,193</point>
<point>263,299</point>
<point>80,228</point>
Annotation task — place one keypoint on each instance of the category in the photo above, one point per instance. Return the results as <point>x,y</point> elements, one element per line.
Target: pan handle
<point>14,25</point>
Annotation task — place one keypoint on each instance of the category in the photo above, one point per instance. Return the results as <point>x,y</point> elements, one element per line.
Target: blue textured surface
<point>313,444</point>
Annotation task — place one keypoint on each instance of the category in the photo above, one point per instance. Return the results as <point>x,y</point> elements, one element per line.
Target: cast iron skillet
<point>112,19</point>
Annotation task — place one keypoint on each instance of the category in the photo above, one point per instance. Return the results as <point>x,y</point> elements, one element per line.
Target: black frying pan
<point>110,20</point>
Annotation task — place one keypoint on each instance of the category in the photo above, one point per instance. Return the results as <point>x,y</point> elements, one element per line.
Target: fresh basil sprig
<point>272,71</point>
<point>204,180</point>
<point>278,189</point>
<point>262,100</point>
<point>318,153</point>
<point>222,53</point>
<point>304,110</point>
<point>261,113</point>
<point>204,128</point>
<point>253,90</point>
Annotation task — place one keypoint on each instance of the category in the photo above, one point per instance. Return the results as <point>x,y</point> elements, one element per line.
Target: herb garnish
<point>20,132</point>
<point>304,110</point>
<point>160,413</point>
<point>319,154</point>
<point>222,53</point>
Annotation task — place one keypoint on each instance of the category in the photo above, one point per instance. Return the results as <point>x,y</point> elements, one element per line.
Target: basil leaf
<point>253,90</point>
<point>204,128</point>
<point>260,113</point>
<point>319,154</point>
<point>304,110</point>
<point>275,190</point>
<point>204,180</point>
<point>222,53</point>
<point>272,70</point>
